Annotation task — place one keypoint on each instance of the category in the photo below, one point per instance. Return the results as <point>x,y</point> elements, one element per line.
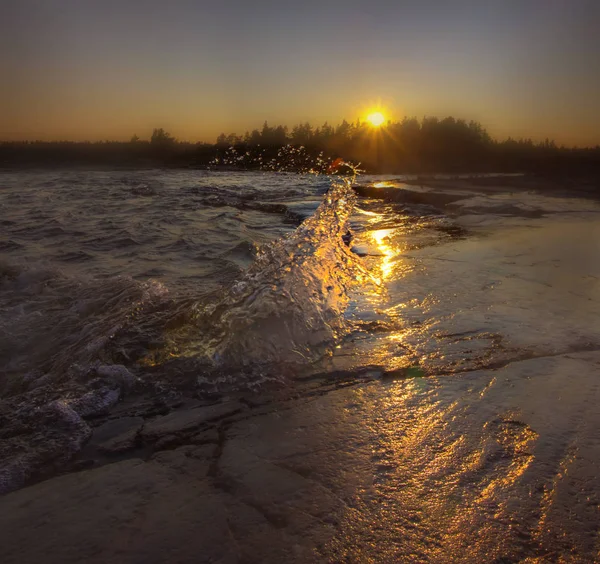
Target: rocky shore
<point>459,461</point>
<point>462,469</point>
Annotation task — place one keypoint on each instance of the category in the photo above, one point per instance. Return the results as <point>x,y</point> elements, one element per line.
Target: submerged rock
<point>407,195</point>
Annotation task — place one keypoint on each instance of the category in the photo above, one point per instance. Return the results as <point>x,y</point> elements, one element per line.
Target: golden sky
<point>88,69</point>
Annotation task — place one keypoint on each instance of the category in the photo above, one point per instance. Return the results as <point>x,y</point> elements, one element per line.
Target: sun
<point>376,119</point>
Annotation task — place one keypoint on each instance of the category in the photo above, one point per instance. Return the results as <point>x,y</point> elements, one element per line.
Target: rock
<point>40,382</point>
<point>39,441</point>
<point>209,436</point>
<point>189,458</point>
<point>117,435</point>
<point>117,374</point>
<point>121,443</point>
<point>287,497</point>
<point>407,195</point>
<point>116,427</point>
<point>184,421</point>
<point>204,452</point>
<point>83,464</point>
<point>166,442</point>
<point>14,472</point>
<point>131,503</point>
<point>95,402</point>
<point>135,511</point>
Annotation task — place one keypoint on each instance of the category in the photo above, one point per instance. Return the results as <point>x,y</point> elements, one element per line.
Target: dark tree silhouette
<point>160,138</point>
<point>428,145</point>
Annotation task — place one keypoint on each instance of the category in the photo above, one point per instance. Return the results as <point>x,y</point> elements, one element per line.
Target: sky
<point>108,69</point>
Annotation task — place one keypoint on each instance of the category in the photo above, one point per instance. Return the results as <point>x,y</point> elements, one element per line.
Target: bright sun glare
<point>376,119</point>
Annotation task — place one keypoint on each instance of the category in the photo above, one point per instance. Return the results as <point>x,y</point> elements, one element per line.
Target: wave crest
<point>289,305</point>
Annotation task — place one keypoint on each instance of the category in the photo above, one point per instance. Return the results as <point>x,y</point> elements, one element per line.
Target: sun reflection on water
<point>381,238</point>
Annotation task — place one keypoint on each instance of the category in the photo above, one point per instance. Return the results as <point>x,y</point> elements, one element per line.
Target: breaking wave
<point>286,308</point>
<point>289,305</point>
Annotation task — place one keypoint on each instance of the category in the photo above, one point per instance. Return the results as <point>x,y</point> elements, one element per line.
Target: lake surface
<point>86,252</point>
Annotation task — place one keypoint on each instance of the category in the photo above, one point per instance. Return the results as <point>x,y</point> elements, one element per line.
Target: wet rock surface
<point>35,443</point>
<point>461,469</point>
<point>190,420</point>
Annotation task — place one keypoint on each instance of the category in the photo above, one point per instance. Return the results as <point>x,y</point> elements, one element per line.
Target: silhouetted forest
<point>430,145</point>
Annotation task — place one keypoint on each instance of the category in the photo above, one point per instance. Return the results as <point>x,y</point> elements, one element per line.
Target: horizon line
<point>17,137</point>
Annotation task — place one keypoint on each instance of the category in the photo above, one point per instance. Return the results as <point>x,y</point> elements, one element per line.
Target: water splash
<point>288,307</point>
<point>289,158</point>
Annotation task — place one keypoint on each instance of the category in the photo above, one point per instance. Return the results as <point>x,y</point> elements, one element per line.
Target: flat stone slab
<point>116,427</point>
<point>183,421</point>
<point>408,195</point>
<point>487,465</point>
<point>113,513</point>
<point>144,512</point>
<point>114,437</point>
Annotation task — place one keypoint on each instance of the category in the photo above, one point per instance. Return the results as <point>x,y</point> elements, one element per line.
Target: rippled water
<point>177,227</point>
<point>269,274</point>
<point>85,252</point>
<point>156,259</point>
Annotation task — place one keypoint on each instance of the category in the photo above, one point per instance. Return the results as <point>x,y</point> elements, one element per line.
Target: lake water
<point>130,267</point>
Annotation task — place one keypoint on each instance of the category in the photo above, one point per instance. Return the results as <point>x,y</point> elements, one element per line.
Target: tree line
<point>417,146</point>
<point>428,145</point>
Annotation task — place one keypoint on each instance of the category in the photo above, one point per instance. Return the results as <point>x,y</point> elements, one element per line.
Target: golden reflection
<point>369,213</point>
<point>383,184</point>
<point>549,497</point>
<point>381,237</point>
